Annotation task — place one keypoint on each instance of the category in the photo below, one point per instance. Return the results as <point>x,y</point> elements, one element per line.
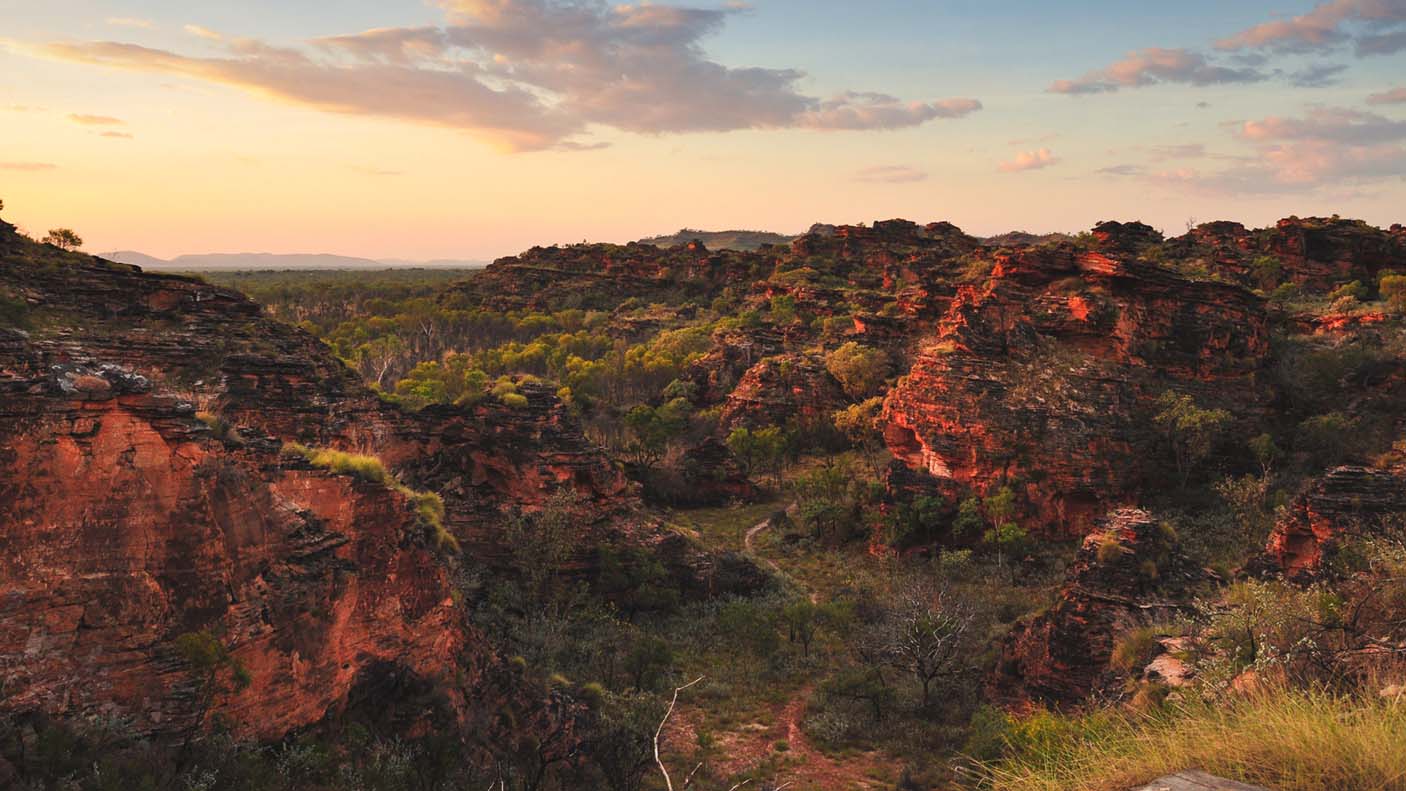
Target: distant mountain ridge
<point>241,261</point>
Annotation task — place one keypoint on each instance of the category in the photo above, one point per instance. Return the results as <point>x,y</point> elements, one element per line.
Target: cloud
<point>878,111</point>
<point>1122,170</point>
<point>891,174</point>
<point>1382,44</point>
<point>116,135</point>
<point>203,32</point>
<point>95,120</point>
<point>1317,76</point>
<point>1030,160</point>
<point>1153,66</point>
<point>1179,151</point>
<point>27,166</point>
<point>126,21</point>
<point>1327,146</point>
<point>1327,25</point>
<point>532,74</point>
<point>1328,124</point>
<point>1393,96</point>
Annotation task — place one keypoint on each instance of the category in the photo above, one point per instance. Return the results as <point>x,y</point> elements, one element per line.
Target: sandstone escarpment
<point>128,524</point>
<point>1048,373</point>
<point>1129,572</point>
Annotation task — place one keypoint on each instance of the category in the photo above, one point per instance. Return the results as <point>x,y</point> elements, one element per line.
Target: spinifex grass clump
<point>429,506</point>
<point>1287,740</point>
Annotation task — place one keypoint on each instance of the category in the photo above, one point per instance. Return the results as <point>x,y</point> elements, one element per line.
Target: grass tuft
<point>1288,740</point>
<point>429,506</point>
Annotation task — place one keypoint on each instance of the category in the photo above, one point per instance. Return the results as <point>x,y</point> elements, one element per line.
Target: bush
<point>860,370</point>
<point>513,400</point>
<point>1393,290</point>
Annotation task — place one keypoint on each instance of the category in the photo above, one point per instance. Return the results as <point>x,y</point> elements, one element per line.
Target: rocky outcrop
<point>1345,504</point>
<point>1047,374</point>
<point>1128,573</point>
<point>129,524</point>
<point>783,390</point>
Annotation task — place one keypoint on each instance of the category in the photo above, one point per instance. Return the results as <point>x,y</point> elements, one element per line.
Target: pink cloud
<point>1030,160</point>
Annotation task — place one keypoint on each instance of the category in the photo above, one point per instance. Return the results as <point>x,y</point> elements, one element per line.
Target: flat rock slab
<point>1195,781</point>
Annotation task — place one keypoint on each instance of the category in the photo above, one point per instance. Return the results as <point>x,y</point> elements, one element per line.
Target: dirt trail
<point>752,531</point>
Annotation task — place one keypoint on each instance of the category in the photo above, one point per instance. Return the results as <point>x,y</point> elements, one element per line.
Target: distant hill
<point>1023,239</point>
<point>242,261</point>
<point>720,240</point>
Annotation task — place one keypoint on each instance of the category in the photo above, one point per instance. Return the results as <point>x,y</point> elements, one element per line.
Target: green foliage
<point>1393,290</point>
<point>1326,438</point>
<point>759,448</point>
<point>1267,272</point>
<point>1267,453</point>
<point>1134,650</point>
<point>1354,291</point>
<point>647,662</point>
<point>969,519</point>
<point>429,506</point>
<point>860,370</point>
<point>1191,430</point>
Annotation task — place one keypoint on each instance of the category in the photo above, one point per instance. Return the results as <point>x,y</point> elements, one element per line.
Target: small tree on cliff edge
<point>63,238</point>
<point>1191,430</point>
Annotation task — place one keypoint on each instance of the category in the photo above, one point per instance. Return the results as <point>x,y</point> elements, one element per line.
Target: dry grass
<point>1284,740</point>
<point>429,506</point>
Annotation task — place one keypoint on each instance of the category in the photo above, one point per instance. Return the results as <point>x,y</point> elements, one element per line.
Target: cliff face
<point>1048,373</point>
<point>128,522</point>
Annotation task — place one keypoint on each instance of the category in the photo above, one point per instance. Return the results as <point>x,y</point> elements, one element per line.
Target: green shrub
<point>513,400</point>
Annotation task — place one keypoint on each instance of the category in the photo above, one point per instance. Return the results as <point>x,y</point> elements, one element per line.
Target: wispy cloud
<point>95,120</point>
<point>1154,66</point>
<point>1393,96</point>
<point>532,74</point>
<point>891,174</point>
<point>127,21</point>
<point>116,135</point>
<point>199,31</point>
<point>1317,76</point>
<point>1366,23</point>
<point>1030,160</point>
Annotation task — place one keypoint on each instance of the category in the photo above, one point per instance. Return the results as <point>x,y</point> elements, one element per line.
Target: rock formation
<point>1345,504</point>
<point>1128,572</point>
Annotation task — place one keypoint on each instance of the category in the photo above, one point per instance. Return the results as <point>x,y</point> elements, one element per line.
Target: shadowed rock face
<point>1049,372</point>
<point>1125,574</point>
<point>1347,503</point>
<point>127,522</point>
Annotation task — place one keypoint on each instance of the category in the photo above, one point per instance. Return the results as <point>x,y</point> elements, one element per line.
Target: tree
<point>1266,453</point>
<point>801,618</point>
<point>928,635</point>
<point>63,238</point>
<point>860,370</point>
<point>647,661</point>
<point>1191,431</point>
<point>859,423</point>
<point>762,448</point>
<point>1393,290</point>
<point>1003,532</point>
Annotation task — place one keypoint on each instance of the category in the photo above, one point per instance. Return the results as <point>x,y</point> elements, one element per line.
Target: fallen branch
<point>668,783</point>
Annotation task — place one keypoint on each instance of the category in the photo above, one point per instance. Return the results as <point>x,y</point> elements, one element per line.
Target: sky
<point>473,129</point>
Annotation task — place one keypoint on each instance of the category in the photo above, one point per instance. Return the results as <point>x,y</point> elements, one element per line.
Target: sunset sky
<point>476,128</point>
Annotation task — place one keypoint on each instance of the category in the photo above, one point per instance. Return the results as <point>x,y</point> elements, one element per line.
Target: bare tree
<point>927,635</point>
